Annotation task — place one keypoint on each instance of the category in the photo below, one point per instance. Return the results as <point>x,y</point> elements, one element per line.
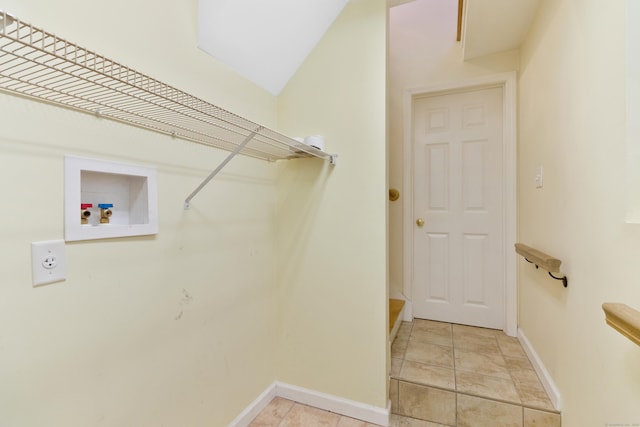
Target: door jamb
<point>508,82</point>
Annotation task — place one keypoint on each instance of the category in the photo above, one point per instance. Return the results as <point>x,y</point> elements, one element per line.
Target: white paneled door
<point>459,272</point>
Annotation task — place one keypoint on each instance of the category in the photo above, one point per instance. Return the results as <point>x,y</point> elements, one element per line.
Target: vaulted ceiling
<point>267,40</point>
<point>264,40</point>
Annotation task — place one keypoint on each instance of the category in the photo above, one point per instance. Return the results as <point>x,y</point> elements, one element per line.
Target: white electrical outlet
<point>48,262</point>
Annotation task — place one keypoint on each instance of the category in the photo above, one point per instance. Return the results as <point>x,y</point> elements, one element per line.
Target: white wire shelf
<point>41,65</point>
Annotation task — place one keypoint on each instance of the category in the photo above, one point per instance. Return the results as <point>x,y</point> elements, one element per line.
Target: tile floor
<point>445,375</point>
<point>463,376</point>
<point>285,413</point>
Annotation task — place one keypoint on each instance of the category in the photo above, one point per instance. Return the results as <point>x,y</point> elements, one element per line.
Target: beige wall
<point>572,106</point>
<point>173,329</point>
<point>333,220</point>
<point>185,328</point>
<point>422,52</point>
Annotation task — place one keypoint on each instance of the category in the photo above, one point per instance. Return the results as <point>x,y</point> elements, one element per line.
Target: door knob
<point>419,222</point>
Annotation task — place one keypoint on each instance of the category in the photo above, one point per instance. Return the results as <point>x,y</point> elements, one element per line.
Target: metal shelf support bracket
<point>187,201</point>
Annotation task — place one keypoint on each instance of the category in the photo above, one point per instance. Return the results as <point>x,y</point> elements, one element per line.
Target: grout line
<point>427,385</point>
<point>455,380</point>
<point>492,399</point>
<point>513,381</point>
<point>284,416</point>
<point>496,339</point>
<point>287,413</point>
<point>455,377</point>
<point>548,411</point>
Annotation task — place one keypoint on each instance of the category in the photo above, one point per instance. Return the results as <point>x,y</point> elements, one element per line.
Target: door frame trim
<point>508,82</point>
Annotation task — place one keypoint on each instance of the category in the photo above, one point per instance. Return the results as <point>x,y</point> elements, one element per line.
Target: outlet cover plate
<point>48,264</point>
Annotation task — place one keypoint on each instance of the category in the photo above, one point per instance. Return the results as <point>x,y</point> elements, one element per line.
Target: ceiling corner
<point>493,26</point>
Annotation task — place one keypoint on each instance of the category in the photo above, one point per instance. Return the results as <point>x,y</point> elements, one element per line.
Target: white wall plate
<point>130,189</point>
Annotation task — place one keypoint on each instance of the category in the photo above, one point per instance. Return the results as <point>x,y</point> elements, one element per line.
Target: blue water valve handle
<point>105,205</point>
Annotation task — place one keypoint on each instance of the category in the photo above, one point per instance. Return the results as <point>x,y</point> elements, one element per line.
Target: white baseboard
<point>327,402</point>
<point>254,408</point>
<point>339,405</point>
<point>408,311</point>
<point>396,327</point>
<point>543,374</point>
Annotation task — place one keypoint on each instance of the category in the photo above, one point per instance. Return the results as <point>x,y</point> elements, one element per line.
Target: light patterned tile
<point>478,342</point>
<point>522,371</point>
<point>273,414</point>
<point>534,418</point>
<point>477,412</point>
<point>490,387</point>
<point>350,422</point>
<point>396,365</point>
<point>511,347</point>
<point>461,330</point>
<point>427,403</point>
<point>399,347</point>
<point>400,421</point>
<point>525,377</point>
<point>302,415</point>
<point>516,364</point>
<point>436,336</point>
<point>429,354</point>
<point>428,375</point>
<point>406,325</point>
<point>534,395</point>
<point>404,330</point>
<point>481,363</point>
<point>421,325</point>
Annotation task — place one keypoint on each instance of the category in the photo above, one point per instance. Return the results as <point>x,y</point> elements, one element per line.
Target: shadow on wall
<point>297,210</point>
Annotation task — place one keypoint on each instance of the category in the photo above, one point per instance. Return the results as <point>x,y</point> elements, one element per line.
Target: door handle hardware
<point>419,222</point>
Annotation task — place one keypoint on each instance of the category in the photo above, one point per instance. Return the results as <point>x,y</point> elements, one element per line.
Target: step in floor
<point>456,375</point>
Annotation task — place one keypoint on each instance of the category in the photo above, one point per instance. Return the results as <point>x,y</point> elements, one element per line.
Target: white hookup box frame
<point>131,189</point>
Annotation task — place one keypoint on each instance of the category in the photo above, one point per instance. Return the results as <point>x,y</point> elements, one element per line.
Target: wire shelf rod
<point>98,93</point>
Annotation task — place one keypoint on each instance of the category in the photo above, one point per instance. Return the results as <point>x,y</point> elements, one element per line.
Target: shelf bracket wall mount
<point>187,202</point>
